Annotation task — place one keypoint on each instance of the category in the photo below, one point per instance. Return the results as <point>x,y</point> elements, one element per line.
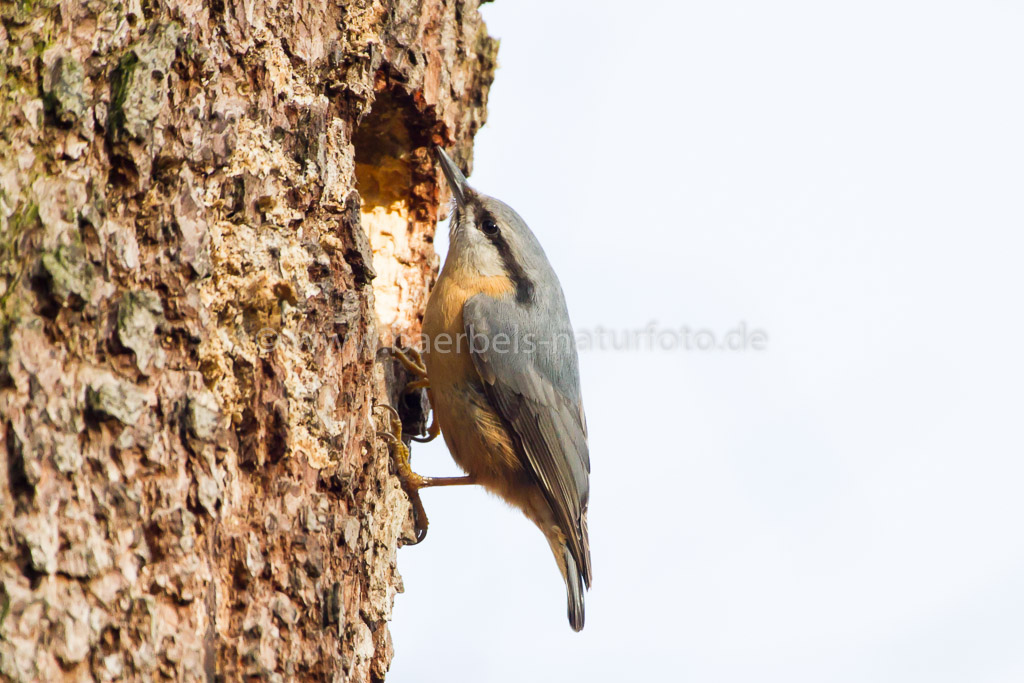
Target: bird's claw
<point>412,361</point>
<point>411,482</point>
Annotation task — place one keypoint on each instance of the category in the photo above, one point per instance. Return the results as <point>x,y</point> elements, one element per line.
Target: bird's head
<point>489,239</point>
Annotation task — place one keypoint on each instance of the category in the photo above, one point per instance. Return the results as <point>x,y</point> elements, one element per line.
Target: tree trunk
<point>212,218</point>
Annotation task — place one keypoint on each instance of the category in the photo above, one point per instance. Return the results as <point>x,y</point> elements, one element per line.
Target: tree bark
<point>212,218</point>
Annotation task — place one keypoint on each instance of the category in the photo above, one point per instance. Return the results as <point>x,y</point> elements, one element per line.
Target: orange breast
<point>474,433</point>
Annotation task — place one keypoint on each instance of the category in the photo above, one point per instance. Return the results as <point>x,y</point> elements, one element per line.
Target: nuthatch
<point>503,377</point>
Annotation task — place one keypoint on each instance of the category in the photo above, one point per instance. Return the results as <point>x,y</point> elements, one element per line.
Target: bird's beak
<point>456,181</point>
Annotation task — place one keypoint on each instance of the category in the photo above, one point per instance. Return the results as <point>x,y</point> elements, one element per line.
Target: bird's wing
<point>547,425</point>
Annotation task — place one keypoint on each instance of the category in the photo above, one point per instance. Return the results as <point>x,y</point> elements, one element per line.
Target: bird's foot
<point>411,481</point>
<point>433,430</point>
<point>393,435</point>
<point>412,361</point>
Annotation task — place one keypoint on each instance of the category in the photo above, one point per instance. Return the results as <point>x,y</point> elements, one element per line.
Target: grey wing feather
<point>526,388</point>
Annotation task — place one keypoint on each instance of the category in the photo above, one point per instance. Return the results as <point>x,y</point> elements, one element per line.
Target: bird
<point>500,364</point>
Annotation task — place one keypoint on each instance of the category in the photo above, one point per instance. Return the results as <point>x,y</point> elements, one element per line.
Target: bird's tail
<point>574,588</point>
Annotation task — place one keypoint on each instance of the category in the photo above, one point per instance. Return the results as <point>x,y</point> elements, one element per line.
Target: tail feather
<point>574,588</point>
<point>585,547</point>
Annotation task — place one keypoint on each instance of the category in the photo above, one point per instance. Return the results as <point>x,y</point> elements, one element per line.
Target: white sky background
<point>846,505</point>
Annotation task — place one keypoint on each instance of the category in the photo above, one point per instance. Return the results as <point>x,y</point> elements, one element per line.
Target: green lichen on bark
<point>120,82</point>
<point>139,314</point>
<point>63,89</point>
<point>12,259</point>
<point>116,398</point>
<point>140,83</point>
<point>69,271</point>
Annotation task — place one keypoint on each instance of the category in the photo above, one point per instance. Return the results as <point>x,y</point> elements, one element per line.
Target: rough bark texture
<point>212,217</point>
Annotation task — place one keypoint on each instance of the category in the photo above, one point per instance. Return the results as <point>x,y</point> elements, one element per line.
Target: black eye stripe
<point>524,287</point>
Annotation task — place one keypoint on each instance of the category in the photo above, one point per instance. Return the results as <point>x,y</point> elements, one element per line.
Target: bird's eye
<point>489,227</point>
